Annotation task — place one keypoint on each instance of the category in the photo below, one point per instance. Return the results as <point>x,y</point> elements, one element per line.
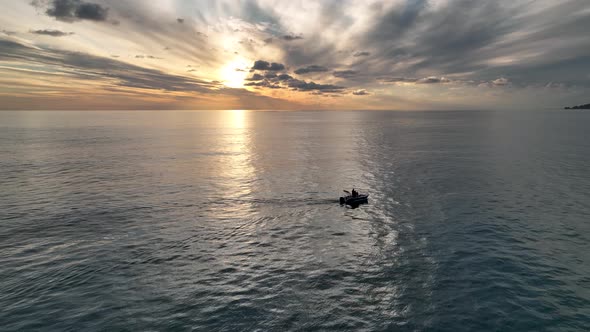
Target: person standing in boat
<point>354,193</point>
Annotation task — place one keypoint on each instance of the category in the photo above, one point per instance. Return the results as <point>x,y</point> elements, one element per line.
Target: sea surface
<point>229,221</point>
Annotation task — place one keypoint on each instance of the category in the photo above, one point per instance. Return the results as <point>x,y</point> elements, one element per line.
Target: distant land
<point>579,107</point>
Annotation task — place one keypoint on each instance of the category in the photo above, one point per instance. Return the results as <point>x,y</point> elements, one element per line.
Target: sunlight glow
<point>235,72</point>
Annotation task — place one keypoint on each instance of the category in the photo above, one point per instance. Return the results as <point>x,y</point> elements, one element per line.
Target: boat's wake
<point>277,201</point>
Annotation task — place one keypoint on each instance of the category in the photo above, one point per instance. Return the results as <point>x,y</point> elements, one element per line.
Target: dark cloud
<point>101,69</point>
<point>297,85</point>
<point>344,73</point>
<point>284,77</point>
<point>255,77</point>
<point>265,84</point>
<point>453,41</point>
<point>276,66</point>
<point>360,92</point>
<point>468,40</point>
<point>264,65</point>
<point>300,85</point>
<point>363,53</point>
<point>270,77</point>
<point>73,10</point>
<point>396,22</point>
<point>311,69</point>
<point>291,37</point>
<point>91,11</point>
<point>451,37</point>
<point>260,65</point>
<point>52,33</point>
<point>286,81</point>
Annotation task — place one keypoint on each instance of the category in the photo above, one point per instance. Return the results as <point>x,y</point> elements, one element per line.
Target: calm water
<point>228,220</point>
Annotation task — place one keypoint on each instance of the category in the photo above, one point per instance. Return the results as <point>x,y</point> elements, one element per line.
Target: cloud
<point>443,80</point>
<point>255,77</point>
<point>398,80</point>
<point>265,84</point>
<point>360,92</point>
<point>180,20</point>
<point>73,10</point>
<point>52,33</point>
<point>264,65</point>
<point>291,37</point>
<point>477,40</point>
<point>425,80</point>
<point>555,85</point>
<point>276,66</point>
<point>300,85</point>
<point>344,73</point>
<point>462,43</point>
<point>363,53</point>
<point>286,81</point>
<point>284,77</point>
<point>433,80</point>
<point>501,81</point>
<point>140,56</point>
<point>311,69</point>
<point>98,69</point>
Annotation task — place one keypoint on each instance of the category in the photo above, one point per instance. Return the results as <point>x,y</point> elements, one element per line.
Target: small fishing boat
<point>353,200</point>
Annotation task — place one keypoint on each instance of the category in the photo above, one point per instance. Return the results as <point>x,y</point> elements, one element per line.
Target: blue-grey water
<point>229,220</point>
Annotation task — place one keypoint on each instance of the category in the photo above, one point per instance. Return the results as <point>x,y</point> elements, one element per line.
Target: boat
<point>354,200</point>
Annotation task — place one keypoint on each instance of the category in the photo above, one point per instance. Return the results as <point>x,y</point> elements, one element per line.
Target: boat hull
<point>349,200</point>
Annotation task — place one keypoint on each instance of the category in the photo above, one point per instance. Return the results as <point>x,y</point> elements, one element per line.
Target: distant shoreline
<point>579,107</point>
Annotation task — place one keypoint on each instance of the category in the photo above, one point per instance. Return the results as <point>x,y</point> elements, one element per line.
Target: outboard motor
<point>342,201</point>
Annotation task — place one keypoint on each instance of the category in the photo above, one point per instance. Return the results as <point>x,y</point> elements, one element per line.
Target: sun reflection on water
<point>237,170</point>
<point>237,118</point>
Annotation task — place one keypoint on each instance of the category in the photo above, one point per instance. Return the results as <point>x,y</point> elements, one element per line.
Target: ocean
<point>230,221</point>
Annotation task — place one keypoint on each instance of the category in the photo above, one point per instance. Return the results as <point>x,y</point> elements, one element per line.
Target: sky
<point>265,54</point>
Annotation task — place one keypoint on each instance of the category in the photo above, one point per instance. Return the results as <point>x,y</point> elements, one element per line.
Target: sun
<point>234,73</point>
